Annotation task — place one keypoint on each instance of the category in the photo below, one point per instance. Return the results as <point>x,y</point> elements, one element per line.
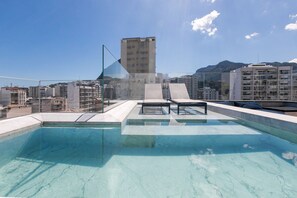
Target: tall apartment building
<point>36,91</point>
<point>195,85</point>
<point>61,90</point>
<point>138,55</point>
<point>261,82</point>
<point>206,93</point>
<point>13,96</point>
<point>294,93</point>
<point>224,89</point>
<point>50,92</point>
<point>83,96</point>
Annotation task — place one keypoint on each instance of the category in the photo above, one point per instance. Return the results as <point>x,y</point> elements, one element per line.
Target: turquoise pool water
<point>90,162</point>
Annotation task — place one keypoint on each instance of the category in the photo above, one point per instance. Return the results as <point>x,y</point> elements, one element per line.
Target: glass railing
<point>20,97</point>
<point>25,96</point>
<point>209,86</point>
<point>117,83</point>
<point>69,96</point>
<point>14,96</point>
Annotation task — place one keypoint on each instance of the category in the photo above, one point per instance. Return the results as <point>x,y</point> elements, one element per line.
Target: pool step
<point>188,130</point>
<point>85,117</point>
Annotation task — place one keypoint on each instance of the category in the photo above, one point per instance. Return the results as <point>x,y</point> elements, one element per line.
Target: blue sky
<point>61,39</point>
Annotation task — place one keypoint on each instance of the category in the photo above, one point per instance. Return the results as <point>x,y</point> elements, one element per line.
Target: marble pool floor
<point>82,162</point>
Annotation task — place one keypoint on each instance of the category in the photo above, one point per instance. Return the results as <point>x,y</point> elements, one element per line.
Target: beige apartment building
<point>138,55</point>
<point>261,82</point>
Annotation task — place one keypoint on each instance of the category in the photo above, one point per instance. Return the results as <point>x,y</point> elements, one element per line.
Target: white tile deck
<point>14,125</point>
<point>60,117</point>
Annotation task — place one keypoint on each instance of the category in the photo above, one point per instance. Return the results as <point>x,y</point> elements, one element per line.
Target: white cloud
<point>205,25</point>
<point>293,60</point>
<point>291,26</point>
<point>293,16</point>
<point>208,1</point>
<point>250,36</point>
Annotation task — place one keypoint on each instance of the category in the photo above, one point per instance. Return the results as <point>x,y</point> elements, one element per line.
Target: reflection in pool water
<point>92,162</point>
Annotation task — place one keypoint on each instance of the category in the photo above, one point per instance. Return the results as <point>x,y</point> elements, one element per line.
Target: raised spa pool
<point>100,162</point>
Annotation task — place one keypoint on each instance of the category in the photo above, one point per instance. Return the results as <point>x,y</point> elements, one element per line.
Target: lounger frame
<point>190,104</point>
<point>161,104</point>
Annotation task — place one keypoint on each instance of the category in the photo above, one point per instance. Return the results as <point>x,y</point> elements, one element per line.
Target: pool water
<point>100,162</point>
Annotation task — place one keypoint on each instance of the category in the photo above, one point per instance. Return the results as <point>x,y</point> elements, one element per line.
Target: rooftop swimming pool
<point>102,162</point>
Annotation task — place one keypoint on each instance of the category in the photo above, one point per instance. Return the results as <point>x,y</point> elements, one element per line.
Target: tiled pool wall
<point>283,126</point>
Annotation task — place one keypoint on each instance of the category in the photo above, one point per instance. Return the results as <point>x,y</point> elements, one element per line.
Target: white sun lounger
<point>179,95</point>
<point>153,97</point>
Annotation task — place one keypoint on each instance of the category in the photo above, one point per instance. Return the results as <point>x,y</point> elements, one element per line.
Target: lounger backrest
<point>178,91</point>
<point>153,91</point>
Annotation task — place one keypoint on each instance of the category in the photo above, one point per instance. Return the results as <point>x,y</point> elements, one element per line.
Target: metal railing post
<point>39,96</point>
<point>102,81</point>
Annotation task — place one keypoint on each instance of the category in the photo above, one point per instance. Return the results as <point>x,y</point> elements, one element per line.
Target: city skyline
<point>62,40</point>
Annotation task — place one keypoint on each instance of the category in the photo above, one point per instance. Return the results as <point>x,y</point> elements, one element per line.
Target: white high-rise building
<point>261,82</point>
<point>83,96</point>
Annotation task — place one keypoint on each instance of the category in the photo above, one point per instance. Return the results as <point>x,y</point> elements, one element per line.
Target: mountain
<point>227,66</point>
<point>224,66</point>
